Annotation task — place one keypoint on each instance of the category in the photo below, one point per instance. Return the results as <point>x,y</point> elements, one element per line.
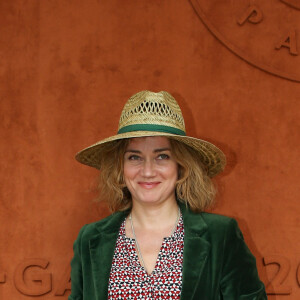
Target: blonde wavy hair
<point>194,187</point>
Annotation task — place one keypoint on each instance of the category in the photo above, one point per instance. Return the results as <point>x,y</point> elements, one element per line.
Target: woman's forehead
<point>149,142</point>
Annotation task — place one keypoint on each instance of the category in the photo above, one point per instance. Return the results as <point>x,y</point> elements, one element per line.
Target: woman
<point>158,243</point>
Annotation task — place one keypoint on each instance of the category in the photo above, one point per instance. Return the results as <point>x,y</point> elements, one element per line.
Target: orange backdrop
<point>67,68</point>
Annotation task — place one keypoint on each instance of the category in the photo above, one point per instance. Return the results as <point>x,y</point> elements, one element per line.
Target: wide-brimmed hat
<point>155,114</point>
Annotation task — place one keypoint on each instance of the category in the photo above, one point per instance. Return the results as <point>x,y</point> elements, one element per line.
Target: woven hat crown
<point>152,111</point>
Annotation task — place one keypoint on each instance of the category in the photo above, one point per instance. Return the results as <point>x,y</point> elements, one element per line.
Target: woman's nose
<point>148,168</point>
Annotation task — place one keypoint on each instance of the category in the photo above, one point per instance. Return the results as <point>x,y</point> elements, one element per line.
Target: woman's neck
<point>154,216</point>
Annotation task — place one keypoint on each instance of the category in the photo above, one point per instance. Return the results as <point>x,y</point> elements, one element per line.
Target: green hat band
<point>151,127</point>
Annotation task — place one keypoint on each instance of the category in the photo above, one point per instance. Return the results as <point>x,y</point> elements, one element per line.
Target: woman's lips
<point>149,185</point>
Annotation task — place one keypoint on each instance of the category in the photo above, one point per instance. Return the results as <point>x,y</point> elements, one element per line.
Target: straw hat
<point>155,114</point>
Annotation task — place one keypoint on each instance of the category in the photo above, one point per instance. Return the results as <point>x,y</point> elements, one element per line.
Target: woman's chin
<point>152,199</point>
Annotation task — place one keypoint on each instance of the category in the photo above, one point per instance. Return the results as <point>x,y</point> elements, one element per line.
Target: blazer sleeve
<point>76,270</point>
<point>239,274</point>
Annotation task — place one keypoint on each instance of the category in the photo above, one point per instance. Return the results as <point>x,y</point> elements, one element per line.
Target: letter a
<point>65,282</point>
<point>290,42</point>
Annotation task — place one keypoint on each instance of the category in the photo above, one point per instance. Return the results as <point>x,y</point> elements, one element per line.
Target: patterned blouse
<point>129,280</point>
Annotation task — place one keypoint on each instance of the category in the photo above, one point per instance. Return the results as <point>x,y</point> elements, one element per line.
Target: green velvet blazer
<point>217,263</point>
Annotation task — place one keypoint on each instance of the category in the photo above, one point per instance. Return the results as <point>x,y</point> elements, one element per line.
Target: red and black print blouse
<point>129,280</point>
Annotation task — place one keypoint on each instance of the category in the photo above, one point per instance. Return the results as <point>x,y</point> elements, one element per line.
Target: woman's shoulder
<point>211,223</point>
<point>207,217</point>
<point>110,223</point>
<point>212,218</point>
<point>221,227</point>
<point>200,217</point>
<point>220,223</point>
<point>214,228</point>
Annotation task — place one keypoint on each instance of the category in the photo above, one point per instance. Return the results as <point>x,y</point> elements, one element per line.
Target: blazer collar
<point>102,251</point>
<point>195,251</point>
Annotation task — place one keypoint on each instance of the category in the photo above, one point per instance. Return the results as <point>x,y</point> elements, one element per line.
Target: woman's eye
<point>163,156</point>
<point>133,157</point>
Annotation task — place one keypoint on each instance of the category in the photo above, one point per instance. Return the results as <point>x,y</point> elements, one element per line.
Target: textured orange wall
<point>67,68</point>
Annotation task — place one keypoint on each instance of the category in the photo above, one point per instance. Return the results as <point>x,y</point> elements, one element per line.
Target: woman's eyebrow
<point>162,149</point>
<point>134,151</point>
<point>155,151</point>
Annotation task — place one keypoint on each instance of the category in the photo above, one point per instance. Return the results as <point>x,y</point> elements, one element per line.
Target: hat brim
<point>212,157</point>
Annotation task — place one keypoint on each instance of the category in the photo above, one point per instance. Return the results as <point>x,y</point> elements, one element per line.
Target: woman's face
<point>150,170</point>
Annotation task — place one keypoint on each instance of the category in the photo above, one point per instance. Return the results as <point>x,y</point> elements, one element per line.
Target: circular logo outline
<point>236,50</point>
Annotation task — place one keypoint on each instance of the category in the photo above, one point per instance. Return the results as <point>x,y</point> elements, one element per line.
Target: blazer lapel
<point>102,249</point>
<point>195,253</point>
